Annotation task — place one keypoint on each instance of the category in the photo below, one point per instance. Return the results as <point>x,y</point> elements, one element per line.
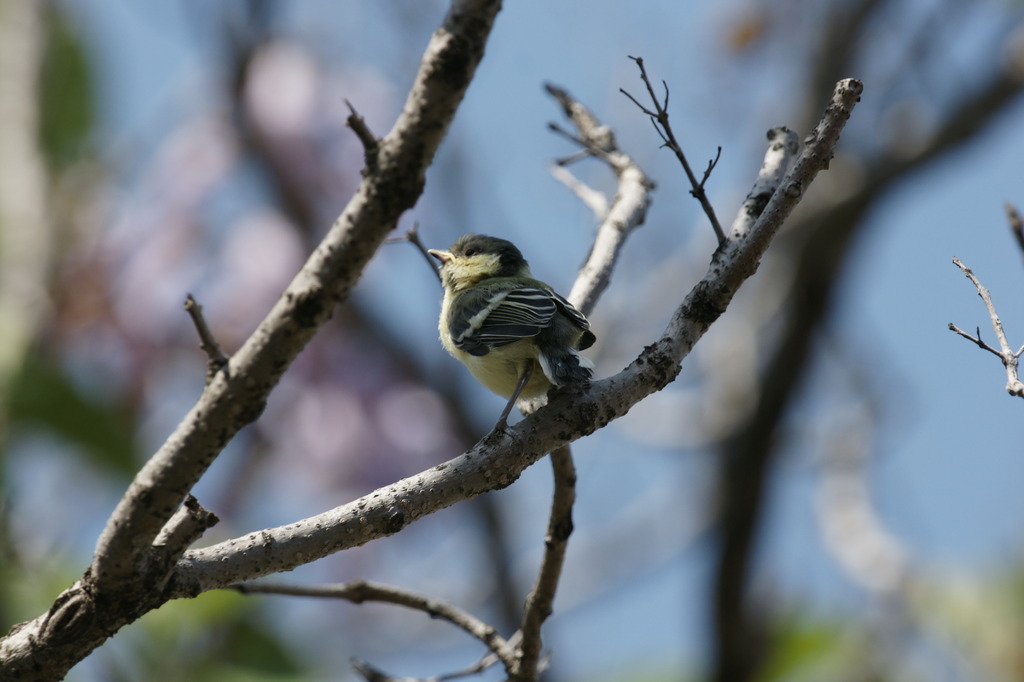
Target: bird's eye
<point>470,252</point>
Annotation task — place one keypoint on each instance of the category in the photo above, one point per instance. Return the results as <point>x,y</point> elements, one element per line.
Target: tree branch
<point>360,591</point>
<point>1010,358</point>
<point>628,209</point>
<point>783,145</point>
<point>659,117</point>
<point>216,359</point>
<point>539,602</point>
<point>497,462</point>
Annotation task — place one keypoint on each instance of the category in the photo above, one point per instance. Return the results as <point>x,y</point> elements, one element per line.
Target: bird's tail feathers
<point>567,367</point>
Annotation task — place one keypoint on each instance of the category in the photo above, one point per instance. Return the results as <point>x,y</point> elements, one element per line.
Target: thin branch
<point>590,147</point>
<point>185,527</point>
<point>1010,359</point>
<point>412,235</point>
<point>371,145</point>
<point>539,602</point>
<point>659,117</point>
<point>361,591</point>
<point>216,359</point>
<point>976,339</point>
<point>783,145</point>
<point>711,166</point>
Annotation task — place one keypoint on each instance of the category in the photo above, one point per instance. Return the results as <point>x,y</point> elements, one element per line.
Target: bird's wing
<point>569,309</point>
<point>490,318</point>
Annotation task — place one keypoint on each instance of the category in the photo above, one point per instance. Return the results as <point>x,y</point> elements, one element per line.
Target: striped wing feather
<point>503,317</point>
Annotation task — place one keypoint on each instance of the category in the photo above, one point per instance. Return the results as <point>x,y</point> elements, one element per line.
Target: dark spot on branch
<point>308,310</point>
<point>395,521</point>
<point>562,529</point>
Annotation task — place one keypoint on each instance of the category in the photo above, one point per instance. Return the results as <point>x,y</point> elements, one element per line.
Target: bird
<point>514,333</point>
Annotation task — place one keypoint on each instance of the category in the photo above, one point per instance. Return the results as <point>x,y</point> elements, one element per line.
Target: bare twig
<point>1010,358</point>
<point>360,591</point>
<point>976,339</point>
<point>216,359</point>
<point>371,144</point>
<point>590,147</point>
<point>539,602</point>
<point>659,117</point>
<point>412,235</point>
<point>782,147</point>
<point>185,527</point>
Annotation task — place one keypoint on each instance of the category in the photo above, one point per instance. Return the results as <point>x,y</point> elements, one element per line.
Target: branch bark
<point>542,597</point>
<point>360,591</point>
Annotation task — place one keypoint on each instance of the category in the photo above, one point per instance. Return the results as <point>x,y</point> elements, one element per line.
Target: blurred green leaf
<point>42,396</point>
<point>804,648</point>
<point>65,92</point>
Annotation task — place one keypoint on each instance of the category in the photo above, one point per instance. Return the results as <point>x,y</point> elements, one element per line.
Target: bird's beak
<point>443,256</point>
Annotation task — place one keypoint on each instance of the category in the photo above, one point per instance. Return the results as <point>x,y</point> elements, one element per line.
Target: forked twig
<point>659,118</point>
<point>1010,359</point>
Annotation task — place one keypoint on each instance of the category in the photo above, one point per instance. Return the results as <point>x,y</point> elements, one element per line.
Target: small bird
<point>504,325</point>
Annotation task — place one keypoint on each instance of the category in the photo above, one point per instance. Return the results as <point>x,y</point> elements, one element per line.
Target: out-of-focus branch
<point>853,533</point>
<point>628,208</point>
<point>26,235</point>
<point>360,591</point>
<point>539,602</point>
<point>1010,358</point>
<point>120,578</point>
<point>863,548</point>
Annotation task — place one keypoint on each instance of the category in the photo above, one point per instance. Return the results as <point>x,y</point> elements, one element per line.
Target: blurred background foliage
<point>153,150</point>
